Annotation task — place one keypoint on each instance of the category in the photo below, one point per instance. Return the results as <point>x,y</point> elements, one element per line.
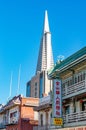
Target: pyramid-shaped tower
<point>39,85</point>
<point>45,58</point>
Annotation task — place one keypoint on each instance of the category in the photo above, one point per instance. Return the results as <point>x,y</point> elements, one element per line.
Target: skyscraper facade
<point>39,85</point>
<point>45,58</point>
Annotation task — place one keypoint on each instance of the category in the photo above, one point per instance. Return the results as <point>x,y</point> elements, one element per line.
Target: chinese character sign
<point>57,103</point>
<point>58,121</point>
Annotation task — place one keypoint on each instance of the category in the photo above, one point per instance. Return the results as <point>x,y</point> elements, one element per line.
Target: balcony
<point>45,100</point>
<point>74,89</point>
<point>75,119</point>
<point>44,103</point>
<point>44,127</point>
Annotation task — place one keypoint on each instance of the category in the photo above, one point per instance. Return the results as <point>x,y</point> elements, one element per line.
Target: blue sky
<point>21,24</point>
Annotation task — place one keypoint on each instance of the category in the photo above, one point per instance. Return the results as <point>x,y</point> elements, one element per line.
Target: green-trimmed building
<point>72,74</point>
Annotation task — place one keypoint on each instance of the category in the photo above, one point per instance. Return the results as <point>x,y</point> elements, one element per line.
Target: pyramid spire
<point>46,23</point>
<point>45,58</point>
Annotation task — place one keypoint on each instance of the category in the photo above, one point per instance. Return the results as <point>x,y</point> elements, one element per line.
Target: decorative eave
<point>7,107</point>
<point>68,63</point>
<point>10,106</point>
<point>15,101</point>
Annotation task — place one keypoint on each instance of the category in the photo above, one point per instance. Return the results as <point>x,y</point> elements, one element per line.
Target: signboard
<point>58,121</point>
<point>57,100</point>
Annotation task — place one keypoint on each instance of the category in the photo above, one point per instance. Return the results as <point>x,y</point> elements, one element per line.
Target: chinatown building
<point>71,75</point>
<point>18,114</point>
<point>65,107</point>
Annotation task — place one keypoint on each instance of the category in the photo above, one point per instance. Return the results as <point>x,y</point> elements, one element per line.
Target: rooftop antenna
<point>10,92</point>
<point>19,79</point>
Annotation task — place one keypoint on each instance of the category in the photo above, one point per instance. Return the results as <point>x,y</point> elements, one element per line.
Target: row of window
<point>83,108</point>
<point>74,79</point>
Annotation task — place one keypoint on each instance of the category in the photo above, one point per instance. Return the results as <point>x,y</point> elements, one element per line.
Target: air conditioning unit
<point>13,120</point>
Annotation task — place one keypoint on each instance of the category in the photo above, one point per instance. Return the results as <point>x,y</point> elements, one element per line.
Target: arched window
<point>51,114</point>
<point>41,117</point>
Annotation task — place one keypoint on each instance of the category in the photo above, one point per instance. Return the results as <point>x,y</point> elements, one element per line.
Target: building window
<point>28,91</point>
<point>67,109</point>
<point>41,116</point>
<point>71,81</point>
<point>13,117</point>
<point>81,77</point>
<point>36,89</point>
<point>75,79</point>
<point>68,83</point>
<point>83,105</point>
<point>41,87</point>
<point>78,78</point>
<point>84,76</point>
<point>51,114</point>
<point>14,114</point>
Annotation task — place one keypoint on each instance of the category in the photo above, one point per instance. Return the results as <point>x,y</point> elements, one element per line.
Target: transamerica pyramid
<point>39,85</point>
<point>45,57</point>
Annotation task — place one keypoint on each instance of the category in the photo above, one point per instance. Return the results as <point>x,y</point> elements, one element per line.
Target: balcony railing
<point>75,117</point>
<point>44,127</point>
<point>74,89</point>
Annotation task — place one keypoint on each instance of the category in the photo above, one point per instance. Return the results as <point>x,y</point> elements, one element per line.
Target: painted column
<point>78,109</point>
<point>44,118</point>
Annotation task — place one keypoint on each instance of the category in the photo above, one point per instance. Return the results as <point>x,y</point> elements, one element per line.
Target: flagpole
<point>10,92</point>
<point>19,79</point>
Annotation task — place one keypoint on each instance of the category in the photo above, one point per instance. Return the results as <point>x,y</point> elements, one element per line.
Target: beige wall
<point>43,112</point>
<point>47,84</point>
<point>34,80</point>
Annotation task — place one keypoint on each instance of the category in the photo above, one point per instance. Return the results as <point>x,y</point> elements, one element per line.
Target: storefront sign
<point>57,101</point>
<point>58,121</point>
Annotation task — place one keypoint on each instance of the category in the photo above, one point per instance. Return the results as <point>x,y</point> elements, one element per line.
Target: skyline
<point>21,28</point>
